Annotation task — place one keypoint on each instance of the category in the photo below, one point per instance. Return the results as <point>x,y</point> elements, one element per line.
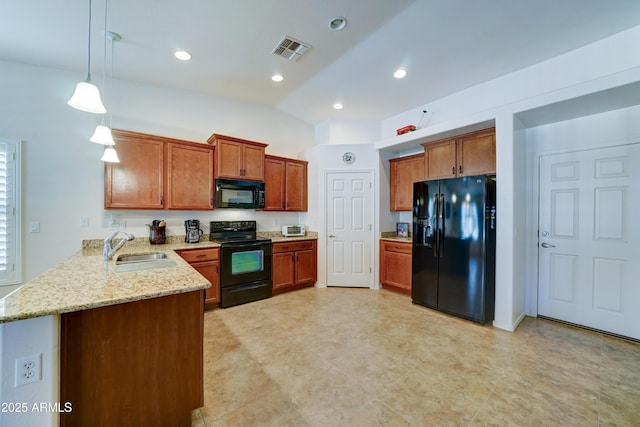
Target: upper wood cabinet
<point>469,154</point>
<point>158,173</point>
<point>285,184</point>
<point>238,158</point>
<point>137,182</point>
<point>404,172</point>
<point>189,176</point>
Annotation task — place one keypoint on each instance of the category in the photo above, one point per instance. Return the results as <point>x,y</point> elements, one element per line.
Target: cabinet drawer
<point>197,255</point>
<point>292,246</point>
<point>404,248</point>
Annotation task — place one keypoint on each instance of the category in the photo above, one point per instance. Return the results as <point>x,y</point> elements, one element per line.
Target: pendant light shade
<point>110,155</point>
<point>102,135</point>
<point>87,96</point>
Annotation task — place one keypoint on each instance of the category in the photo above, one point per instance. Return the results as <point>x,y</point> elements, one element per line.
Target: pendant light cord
<point>89,47</point>
<point>104,60</point>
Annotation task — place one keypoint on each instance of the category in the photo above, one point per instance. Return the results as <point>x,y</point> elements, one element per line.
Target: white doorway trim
<point>534,153</point>
<point>322,236</point>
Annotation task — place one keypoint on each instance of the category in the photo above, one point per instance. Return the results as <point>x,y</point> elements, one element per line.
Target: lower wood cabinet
<point>133,364</point>
<point>395,266</point>
<point>294,265</point>
<point>206,262</point>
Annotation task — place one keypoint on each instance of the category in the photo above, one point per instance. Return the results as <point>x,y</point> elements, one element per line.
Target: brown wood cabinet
<point>404,172</point>
<point>133,364</point>
<point>285,184</point>
<point>469,154</point>
<point>395,266</point>
<point>294,265</point>
<point>237,158</point>
<point>137,182</point>
<point>156,172</point>
<point>189,174</point>
<point>206,262</point>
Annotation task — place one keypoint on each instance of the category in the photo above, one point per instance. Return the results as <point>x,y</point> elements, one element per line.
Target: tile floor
<point>357,357</point>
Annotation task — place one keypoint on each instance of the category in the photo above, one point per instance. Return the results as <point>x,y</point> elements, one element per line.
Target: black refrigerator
<point>454,245</point>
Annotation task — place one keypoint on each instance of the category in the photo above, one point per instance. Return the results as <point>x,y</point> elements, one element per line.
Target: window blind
<point>9,230</point>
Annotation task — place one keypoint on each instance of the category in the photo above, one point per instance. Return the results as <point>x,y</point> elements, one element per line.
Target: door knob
<point>331,235</point>
<point>547,245</point>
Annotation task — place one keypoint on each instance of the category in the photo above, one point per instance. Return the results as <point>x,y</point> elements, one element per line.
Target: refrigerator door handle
<point>436,200</point>
<point>442,230</point>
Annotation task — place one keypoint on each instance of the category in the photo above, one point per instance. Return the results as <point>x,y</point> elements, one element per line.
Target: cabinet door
<point>274,184</point>
<point>211,271</point>
<point>253,162</point>
<point>282,271</point>
<point>404,172</point>
<point>440,159</point>
<point>477,154</point>
<point>137,181</point>
<point>305,267</point>
<point>395,266</point>
<point>296,185</point>
<point>228,159</point>
<point>189,177</point>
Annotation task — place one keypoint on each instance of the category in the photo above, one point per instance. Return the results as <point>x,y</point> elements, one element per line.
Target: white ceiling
<point>445,45</point>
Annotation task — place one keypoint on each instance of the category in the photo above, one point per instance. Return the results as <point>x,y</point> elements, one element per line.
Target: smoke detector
<point>291,48</point>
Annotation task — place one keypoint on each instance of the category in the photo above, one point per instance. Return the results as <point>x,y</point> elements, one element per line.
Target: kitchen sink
<point>131,258</point>
<point>136,262</point>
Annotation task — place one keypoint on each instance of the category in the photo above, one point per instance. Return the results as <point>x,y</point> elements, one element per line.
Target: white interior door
<point>589,238</point>
<point>349,229</point>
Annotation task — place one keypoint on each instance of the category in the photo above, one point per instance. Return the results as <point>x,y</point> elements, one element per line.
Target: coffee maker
<point>192,231</point>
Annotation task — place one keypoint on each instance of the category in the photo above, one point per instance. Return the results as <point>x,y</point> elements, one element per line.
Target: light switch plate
<point>34,227</point>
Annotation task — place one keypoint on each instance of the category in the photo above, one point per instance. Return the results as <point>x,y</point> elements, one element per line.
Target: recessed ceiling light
<point>337,23</point>
<point>400,73</point>
<point>182,55</point>
<point>277,78</point>
<point>337,106</point>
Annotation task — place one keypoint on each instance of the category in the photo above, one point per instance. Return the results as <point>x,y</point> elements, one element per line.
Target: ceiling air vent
<point>291,48</point>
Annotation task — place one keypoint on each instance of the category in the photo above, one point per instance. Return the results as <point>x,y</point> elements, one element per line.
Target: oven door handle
<point>246,244</point>
<point>248,287</point>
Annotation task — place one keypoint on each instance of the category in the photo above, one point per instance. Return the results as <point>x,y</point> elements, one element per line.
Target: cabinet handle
<point>460,169</point>
<point>161,200</point>
<point>201,255</point>
<point>453,170</point>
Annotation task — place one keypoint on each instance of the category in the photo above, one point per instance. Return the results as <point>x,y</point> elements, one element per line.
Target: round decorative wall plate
<point>348,157</point>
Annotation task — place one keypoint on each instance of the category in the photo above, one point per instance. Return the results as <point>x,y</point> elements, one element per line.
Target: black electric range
<point>245,262</point>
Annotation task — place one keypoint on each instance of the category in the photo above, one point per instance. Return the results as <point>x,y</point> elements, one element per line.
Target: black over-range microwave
<point>239,194</point>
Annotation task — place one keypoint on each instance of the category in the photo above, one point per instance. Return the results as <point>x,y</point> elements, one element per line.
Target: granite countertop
<point>277,237</point>
<point>392,236</point>
<point>85,281</point>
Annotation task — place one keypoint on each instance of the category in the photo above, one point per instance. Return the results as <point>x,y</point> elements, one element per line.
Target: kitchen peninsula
<point>130,342</point>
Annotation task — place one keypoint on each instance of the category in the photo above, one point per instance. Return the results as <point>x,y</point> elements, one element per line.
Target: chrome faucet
<point>109,250</point>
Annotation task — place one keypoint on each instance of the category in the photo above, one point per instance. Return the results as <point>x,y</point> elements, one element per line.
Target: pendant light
<point>110,155</point>
<point>102,134</point>
<point>87,96</point>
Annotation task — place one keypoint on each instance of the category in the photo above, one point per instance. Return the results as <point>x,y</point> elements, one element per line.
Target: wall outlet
<point>84,221</point>
<point>28,369</point>
<point>118,225</point>
<point>34,227</point>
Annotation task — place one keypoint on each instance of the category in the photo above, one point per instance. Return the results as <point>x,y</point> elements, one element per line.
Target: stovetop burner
<point>234,231</point>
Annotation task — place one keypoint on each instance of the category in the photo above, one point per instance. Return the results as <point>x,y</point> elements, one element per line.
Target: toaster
<point>293,230</point>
